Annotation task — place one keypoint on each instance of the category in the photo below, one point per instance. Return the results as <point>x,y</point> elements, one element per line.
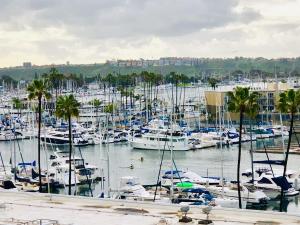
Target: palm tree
<point>39,89</point>
<point>175,79</point>
<point>239,102</point>
<point>66,108</point>
<point>184,81</point>
<point>110,108</point>
<point>17,104</point>
<point>96,103</point>
<point>289,102</point>
<point>213,82</point>
<point>55,79</point>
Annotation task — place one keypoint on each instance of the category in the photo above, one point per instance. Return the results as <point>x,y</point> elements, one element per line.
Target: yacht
<point>161,141</point>
<point>114,137</point>
<point>10,135</point>
<point>279,131</point>
<point>131,189</point>
<point>262,133</point>
<point>81,172</point>
<point>271,183</point>
<point>61,137</point>
<point>230,190</point>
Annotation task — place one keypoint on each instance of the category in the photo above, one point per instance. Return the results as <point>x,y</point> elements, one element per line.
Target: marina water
<point>125,161</point>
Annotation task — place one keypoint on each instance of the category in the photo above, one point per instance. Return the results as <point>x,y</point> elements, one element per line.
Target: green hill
<point>205,66</point>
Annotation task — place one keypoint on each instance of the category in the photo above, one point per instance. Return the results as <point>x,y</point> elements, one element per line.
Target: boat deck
<point>29,208</point>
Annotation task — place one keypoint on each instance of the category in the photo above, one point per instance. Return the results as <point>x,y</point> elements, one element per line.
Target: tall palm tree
<point>39,89</point>
<point>213,82</point>
<point>289,102</point>
<point>96,103</point>
<point>67,107</point>
<point>110,108</point>
<point>184,81</point>
<point>17,104</point>
<point>55,79</point>
<point>239,103</point>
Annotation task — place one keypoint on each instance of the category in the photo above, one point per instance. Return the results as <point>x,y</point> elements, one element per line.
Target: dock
<point>295,150</point>
<point>49,209</point>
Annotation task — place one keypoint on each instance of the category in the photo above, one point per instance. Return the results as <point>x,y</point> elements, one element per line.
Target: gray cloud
<point>54,31</point>
<point>122,18</point>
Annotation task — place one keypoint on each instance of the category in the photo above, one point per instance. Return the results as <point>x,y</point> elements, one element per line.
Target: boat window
<point>54,164</point>
<point>152,139</point>
<point>264,181</point>
<point>164,139</point>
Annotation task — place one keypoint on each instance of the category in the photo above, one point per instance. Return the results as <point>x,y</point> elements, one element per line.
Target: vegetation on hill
<point>225,68</point>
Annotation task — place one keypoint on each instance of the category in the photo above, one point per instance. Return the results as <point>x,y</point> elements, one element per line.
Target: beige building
<point>216,100</point>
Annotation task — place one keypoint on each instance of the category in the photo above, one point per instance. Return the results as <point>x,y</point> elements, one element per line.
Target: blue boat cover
<point>27,164</point>
<point>270,162</point>
<point>282,182</point>
<point>195,190</point>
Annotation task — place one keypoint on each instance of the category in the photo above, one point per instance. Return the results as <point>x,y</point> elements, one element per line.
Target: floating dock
<point>46,209</point>
<point>295,150</point>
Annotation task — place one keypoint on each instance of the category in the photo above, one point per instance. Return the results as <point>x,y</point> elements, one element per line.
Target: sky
<point>93,31</point>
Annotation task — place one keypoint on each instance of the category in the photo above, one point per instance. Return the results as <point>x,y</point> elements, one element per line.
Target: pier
<point>45,209</point>
<point>295,150</point>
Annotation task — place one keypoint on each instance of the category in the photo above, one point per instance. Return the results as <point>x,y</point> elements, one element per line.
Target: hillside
<point>206,66</point>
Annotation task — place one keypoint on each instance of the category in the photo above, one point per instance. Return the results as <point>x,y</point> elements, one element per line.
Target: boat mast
<point>172,178</point>
<point>221,147</point>
<point>46,157</point>
<point>107,149</point>
<point>280,115</point>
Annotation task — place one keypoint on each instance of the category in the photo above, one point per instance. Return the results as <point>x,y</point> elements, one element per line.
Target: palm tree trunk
<point>39,140</point>
<point>145,99</point>
<point>183,98</point>
<point>126,95</point>
<point>286,158</point>
<point>70,152</point>
<point>239,159</point>
<point>176,103</point>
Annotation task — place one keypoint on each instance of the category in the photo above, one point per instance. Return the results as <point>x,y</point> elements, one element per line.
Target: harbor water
<point>144,164</point>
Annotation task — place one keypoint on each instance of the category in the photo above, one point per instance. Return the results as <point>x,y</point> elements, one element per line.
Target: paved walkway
<point>26,207</point>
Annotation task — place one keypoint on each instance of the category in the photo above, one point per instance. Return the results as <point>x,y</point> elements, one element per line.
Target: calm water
<point>203,162</point>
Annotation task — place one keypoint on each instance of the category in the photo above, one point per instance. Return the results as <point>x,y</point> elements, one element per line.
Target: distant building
<point>27,64</point>
<point>217,100</point>
<point>166,61</point>
<point>68,63</point>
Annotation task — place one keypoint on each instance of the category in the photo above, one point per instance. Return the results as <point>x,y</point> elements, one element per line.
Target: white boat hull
<point>157,146</point>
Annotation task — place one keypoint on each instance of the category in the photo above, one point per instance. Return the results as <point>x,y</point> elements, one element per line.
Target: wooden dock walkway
<point>295,150</point>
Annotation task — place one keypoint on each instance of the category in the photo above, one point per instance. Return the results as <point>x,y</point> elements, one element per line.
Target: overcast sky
<point>56,31</point>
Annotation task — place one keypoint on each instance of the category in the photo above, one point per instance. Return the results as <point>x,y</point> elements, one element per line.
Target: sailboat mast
<point>221,147</point>
<point>172,177</point>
